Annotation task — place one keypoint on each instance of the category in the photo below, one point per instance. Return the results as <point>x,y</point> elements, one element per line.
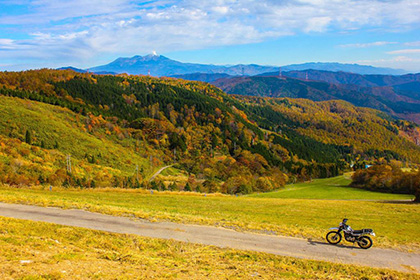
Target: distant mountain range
<point>350,68</point>
<point>78,70</point>
<point>158,65</point>
<point>347,78</point>
<point>396,95</point>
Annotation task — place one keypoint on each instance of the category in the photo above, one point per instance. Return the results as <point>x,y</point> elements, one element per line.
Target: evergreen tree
<point>28,137</point>
<point>154,185</point>
<point>173,186</point>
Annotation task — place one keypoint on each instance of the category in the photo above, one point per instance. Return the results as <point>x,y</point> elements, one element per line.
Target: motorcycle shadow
<point>351,247</point>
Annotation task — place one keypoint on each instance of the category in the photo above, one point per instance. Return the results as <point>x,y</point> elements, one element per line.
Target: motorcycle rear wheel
<point>333,237</point>
<point>365,242</point>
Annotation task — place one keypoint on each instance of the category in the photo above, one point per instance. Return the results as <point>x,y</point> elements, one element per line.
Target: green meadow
<point>330,188</point>
<point>307,218</point>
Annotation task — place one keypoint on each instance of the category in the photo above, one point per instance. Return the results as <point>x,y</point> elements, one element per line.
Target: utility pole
<point>68,164</point>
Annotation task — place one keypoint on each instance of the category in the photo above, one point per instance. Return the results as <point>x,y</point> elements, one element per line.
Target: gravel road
<point>220,237</point>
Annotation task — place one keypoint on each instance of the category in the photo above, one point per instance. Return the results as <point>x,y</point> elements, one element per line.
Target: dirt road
<point>158,172</point>
<point>285,246</point>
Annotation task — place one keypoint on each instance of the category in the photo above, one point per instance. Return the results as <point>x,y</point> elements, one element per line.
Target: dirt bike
<point>359,236</point>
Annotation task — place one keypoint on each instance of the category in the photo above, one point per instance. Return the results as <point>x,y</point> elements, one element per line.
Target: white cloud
<point>405,59</point>
<point>403,62</point>
<point>6,44</point>
<point>221,9</point>
<point>46,11</point>
<point>317,24</point>
<point>66,31</point>
<point>406,51</point>
<point>367,45</point>
<point>413,44</point>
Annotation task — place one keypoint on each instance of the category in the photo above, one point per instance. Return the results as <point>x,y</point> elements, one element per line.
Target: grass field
<point>55,124</point>
<point>35,250</point>
<point>396,224</point>
<point>331,188</point>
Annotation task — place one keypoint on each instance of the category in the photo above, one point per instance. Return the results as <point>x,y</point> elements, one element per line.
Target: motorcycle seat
<point>366,230</point>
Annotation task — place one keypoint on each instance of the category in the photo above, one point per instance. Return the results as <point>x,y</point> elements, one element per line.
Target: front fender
<point>334,228</point>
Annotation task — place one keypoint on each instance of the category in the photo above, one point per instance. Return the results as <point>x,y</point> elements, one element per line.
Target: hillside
<point>202,77</point>
<point>348,78</point>
<point>368,132</point>
<point>55,132</point>
<point>395,101</point>
<point>157,121</point>
<point>130,126</point>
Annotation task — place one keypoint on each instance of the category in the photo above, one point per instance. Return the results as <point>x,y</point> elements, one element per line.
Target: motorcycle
<point>359,236</point>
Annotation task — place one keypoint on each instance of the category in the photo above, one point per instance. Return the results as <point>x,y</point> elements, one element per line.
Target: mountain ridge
<point>348,78</point>
<point>344,67</point>
<point>159,65</point>
<point>400,103</point>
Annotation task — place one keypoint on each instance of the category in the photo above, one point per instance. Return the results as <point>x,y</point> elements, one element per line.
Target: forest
<point>388,178</point>
<point>119,129</point>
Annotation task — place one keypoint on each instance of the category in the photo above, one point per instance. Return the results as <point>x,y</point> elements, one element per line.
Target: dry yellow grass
<point>35,250</point>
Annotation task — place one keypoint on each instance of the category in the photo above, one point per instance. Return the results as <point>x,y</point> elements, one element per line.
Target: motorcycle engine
<point>350,238</point>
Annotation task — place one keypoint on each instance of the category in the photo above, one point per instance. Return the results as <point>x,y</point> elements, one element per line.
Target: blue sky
<point>44,33</point>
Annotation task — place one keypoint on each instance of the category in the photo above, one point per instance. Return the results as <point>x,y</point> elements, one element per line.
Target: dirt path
<point>285,246</point>
<point>158,172</point>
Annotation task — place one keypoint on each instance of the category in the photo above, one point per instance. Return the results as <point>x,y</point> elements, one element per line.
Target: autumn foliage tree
<point>386,178</point>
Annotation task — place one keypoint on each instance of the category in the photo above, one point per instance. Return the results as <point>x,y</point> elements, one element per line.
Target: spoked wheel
<point>333,237</point>
<point>365,242</point>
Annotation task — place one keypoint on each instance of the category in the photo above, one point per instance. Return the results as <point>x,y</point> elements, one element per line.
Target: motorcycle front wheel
<point>365,242</point>
<point>333,237</point>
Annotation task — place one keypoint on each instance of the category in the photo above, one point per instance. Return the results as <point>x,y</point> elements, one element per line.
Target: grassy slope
<point>57,252</point>
<point>338,122</point>
<point>330,188</point>
<point>53,123</point>
<point>293,217</point>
